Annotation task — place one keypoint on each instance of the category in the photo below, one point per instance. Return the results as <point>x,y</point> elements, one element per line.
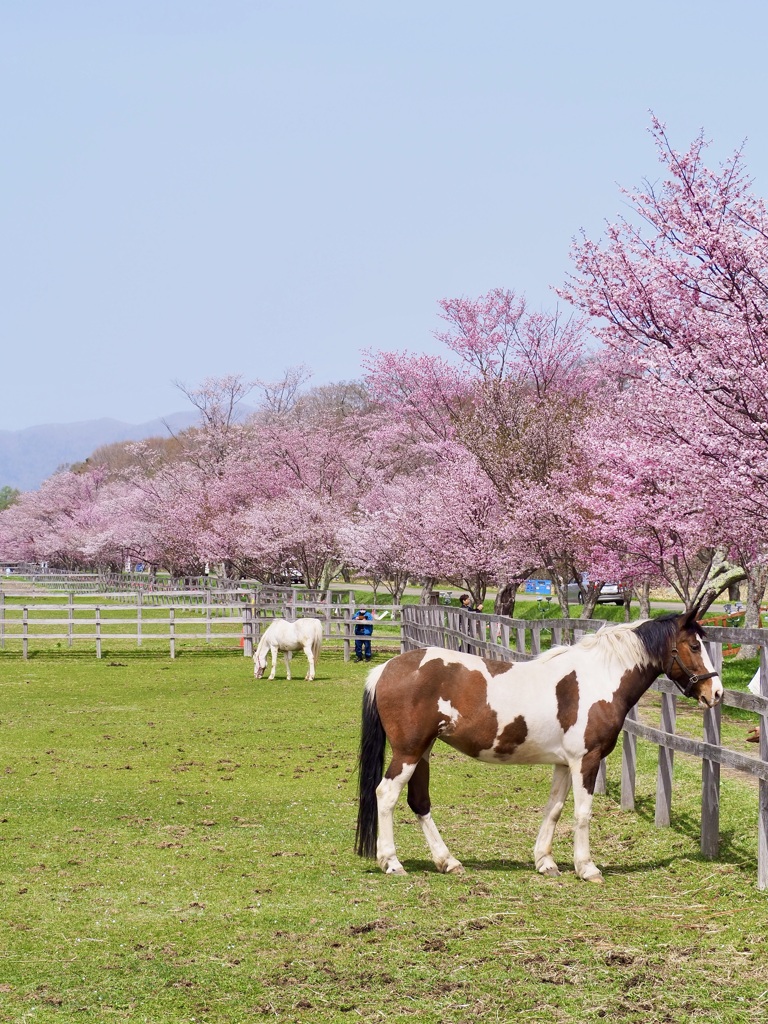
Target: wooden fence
<point>173,618</point>
<point>490,636</point>
<point>237,617</point>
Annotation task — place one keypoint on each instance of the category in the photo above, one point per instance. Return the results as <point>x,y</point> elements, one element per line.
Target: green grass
<point>176,846</point>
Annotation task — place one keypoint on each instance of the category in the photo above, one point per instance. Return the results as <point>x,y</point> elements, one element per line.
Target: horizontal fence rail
<point>520,640</point>
<point>173,618</point>
<point>491,636</point>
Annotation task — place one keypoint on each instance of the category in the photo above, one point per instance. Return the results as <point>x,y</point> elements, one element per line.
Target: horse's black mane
<point>657,634</point>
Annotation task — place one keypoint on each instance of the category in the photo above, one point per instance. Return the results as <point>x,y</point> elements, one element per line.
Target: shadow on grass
<point>689,825</point>
<point>473,864</point>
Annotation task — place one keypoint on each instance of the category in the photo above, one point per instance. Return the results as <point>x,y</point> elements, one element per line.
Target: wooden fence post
<point>172,630</point>
<point>535,639</point>
<point>25,631</point>
<point>710,788</point>
<point>628,765</point>
<point>248,631</point>
<point>139,609</point>
<point>98,631</point>
<point>70,617</point>
<point>666,762</point>
<point>710,772</point>
<point>2,621</point>
<point>600,780</point>
<point>504,635</point>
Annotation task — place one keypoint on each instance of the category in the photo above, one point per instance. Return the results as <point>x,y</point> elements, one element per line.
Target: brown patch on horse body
<point>498,668</point>
<point>408,694</point>
<point>567,693</point>
<point>605,720</point>
<point>512,736</point>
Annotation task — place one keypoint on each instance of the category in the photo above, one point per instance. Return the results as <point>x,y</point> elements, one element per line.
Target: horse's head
<point>689,666</point>
<point>259,663</point>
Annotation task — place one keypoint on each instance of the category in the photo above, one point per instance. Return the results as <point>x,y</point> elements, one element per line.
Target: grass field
<point>176,846</point>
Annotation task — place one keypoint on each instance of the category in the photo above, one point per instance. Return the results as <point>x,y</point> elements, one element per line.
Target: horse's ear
<point>695,613</point>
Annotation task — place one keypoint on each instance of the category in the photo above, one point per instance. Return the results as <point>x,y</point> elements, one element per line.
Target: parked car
<point>610,593</point>
<point>292,577</point>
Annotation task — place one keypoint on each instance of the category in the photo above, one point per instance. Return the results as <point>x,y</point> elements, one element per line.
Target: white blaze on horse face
<point>717,686</point>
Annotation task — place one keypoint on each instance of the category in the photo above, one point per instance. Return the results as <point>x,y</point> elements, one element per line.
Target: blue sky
<point>195,188</point>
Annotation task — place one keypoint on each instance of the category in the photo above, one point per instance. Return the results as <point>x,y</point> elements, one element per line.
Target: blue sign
<point>543,587</point>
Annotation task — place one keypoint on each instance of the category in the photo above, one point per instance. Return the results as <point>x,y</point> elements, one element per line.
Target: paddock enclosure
<point>176,846</point>
<point>219,619</point>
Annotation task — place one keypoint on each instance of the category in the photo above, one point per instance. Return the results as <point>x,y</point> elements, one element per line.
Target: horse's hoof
<point>399,870</point>
<point>550,872</point>
<point>597,878</point>
<point>452,867</point>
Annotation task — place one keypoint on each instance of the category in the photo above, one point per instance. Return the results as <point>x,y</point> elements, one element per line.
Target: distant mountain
<point>27,457</point>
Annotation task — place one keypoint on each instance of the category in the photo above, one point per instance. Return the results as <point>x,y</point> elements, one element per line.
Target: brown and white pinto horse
<point>564,708</point>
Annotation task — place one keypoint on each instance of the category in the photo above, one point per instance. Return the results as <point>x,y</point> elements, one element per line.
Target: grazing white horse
<point>302,635</point>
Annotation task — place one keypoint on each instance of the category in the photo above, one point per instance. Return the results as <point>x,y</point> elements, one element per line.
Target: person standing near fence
<point>363,628</point>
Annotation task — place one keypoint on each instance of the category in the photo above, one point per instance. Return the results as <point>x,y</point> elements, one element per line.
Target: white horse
<point>302,635</point>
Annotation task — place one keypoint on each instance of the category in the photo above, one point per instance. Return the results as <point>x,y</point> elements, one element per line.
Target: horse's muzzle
<point>713,699</point>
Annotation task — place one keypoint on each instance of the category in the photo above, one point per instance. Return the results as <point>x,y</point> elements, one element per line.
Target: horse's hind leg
<point>311,670</point>
<point>287,655</point>
<point>542,851</point>
<point>387,793</point>
<point>420,804</point>
<point>273,652</point>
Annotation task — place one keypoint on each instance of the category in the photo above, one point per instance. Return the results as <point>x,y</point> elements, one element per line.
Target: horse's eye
<point>695,647</point>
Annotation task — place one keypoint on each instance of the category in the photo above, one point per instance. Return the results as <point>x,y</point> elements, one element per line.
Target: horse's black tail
<point>371,768</point>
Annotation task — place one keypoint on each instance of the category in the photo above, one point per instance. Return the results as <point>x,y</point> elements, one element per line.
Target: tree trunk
<point>757,580</point>
<point>561,592</point>
<point>396,586</point>
<point>505,600</point>
<point>427,589</point>
<point>591,593</point>
<point>477,591</point>
<point>721,579</point>
<point>644,597</point>
<point>331,570</point>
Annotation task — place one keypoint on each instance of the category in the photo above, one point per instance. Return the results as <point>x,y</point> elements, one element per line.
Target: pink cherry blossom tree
<point>679,293</point>
<point>513,400</point>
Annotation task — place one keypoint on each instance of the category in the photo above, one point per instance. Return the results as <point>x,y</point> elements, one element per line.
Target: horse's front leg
<point>311,670</point>
<point>583,790</point>
<point>542,851</point>
<point>273,652</point>
<point>288,657</point>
